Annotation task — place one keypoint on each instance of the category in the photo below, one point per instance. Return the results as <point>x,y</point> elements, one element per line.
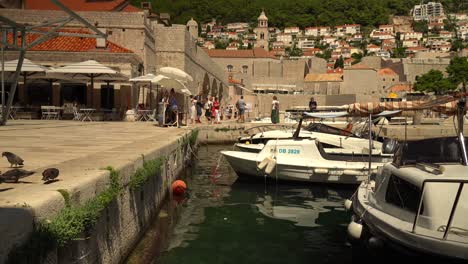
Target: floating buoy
<point>179,187</point>
<point>354,230</point>
<point>270,167</point>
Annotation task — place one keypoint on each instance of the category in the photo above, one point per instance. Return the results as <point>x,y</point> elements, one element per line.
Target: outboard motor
<point>389,146</point>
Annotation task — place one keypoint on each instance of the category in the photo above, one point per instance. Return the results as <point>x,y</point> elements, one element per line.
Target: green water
<point>254,222</point>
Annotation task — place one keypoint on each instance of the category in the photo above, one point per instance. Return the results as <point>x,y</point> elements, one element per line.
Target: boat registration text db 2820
<point>289,151</point>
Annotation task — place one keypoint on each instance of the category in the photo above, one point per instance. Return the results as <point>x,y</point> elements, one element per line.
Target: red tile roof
<point>386,71</point>
<point>83,5</point>
<point>71,44</point>
<point>253,53</point>
<point>400,87</point>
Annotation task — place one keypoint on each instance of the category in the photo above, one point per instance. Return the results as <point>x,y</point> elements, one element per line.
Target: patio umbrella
<point>147,78</point>
<point>168,82</point>
<point>175,73</point>
<point>27,69</point>
<point>89,69</point>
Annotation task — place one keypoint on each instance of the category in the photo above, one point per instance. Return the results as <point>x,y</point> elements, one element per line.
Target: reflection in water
<point>250,222</point>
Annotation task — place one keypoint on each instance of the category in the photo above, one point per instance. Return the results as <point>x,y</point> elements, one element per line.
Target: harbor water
<point>224,220</point>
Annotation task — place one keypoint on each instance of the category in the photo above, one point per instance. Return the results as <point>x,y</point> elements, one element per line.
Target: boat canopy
<point>432,150</point>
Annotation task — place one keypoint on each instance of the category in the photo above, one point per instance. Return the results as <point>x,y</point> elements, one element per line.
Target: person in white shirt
<point>275,110</point>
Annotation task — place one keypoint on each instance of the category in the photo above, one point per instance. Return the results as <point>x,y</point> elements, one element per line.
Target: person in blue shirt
<point>173,108</point>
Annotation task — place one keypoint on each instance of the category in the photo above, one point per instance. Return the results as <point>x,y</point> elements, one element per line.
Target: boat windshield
<point>434,150</point>
<point>319,127</point>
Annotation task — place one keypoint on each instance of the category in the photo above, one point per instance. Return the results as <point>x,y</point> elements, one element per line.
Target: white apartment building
<point>318,31</point>
<point>386,28</point>
<point>410,43</point>
<point>285,38</point>
<point>411,35</point>
<point>306,44</point>
<point>425,11</point>
<point>292,30</point>
<point>346,29</point>
<point>237,26</point>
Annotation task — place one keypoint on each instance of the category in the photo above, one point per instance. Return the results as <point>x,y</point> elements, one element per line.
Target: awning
<point>324,115</point>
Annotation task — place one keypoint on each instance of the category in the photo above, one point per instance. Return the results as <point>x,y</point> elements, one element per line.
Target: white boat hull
<point>245,165</point>
<point>398,232</point>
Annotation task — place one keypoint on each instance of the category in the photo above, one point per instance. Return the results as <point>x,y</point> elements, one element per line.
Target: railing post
<point>419,207</point>
<point>452,212</point>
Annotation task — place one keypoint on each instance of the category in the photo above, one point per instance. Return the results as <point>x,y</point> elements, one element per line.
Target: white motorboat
<point>257,141</point>
<point>419,202</point>
<point>329,136</point>
<point>305,160</point>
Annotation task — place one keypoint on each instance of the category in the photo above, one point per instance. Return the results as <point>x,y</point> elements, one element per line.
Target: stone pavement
<point>81,151</point>
<point>77,149</point>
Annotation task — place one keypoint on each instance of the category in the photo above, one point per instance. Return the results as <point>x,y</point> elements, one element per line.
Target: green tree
<point>296,52</point>
<point>457,45</point>
<point>219,44</point>
<point>458,71</point>
<point>421,26</point>
<point>357,57</point>
<point>433,81</point>
<point>339,63</point>
<point>326,54</point>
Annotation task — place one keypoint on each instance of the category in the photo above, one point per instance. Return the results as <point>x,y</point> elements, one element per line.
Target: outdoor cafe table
<point>143,115</point>
<point>87,113</point>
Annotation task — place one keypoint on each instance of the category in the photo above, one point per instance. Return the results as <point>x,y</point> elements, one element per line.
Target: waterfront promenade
<point>80,151</point>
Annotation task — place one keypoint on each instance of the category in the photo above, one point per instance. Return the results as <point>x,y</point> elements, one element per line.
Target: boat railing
<point>455,204</point>
<point>264,128</point>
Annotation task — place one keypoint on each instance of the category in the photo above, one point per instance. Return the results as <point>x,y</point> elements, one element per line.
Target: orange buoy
<point>179,187</point>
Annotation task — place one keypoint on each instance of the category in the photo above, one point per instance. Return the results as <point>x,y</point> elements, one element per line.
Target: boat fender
<point>354,230</point>
<point>263,164</point>
<point>372,185</point>
<point>347,204</point>
<point>352,172</point>
<point>270,167</point>
<point>321,171</point>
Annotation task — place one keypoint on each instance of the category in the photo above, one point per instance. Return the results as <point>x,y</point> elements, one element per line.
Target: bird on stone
<point>14,175</point>
<point>50,174</point>
<point>13,159</point>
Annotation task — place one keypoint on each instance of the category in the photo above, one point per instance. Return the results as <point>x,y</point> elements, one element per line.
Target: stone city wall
<point>416,67</point>
<point>176,48</point>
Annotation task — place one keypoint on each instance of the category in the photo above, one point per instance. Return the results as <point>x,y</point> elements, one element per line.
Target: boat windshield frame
<point>447,149</point>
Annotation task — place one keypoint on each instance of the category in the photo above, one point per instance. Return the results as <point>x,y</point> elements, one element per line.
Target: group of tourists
<point>210,105</point>
<point>213,110</point>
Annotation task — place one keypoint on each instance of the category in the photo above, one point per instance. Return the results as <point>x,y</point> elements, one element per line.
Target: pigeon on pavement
<point>14,175</point>
<point>50,174</point>
<point>13,159</point>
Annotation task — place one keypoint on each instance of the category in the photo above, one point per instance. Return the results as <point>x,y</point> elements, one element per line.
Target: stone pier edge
<point>123,221</point>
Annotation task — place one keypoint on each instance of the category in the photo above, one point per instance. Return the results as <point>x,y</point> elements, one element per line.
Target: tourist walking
<point>312,105</point>
<point>193,110</point>
<point>241,107</point>
<point>216,112</point>
<point>173,108</point>
<point>208,106</point>
<point>199,107</point>
<point>275,110</point>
